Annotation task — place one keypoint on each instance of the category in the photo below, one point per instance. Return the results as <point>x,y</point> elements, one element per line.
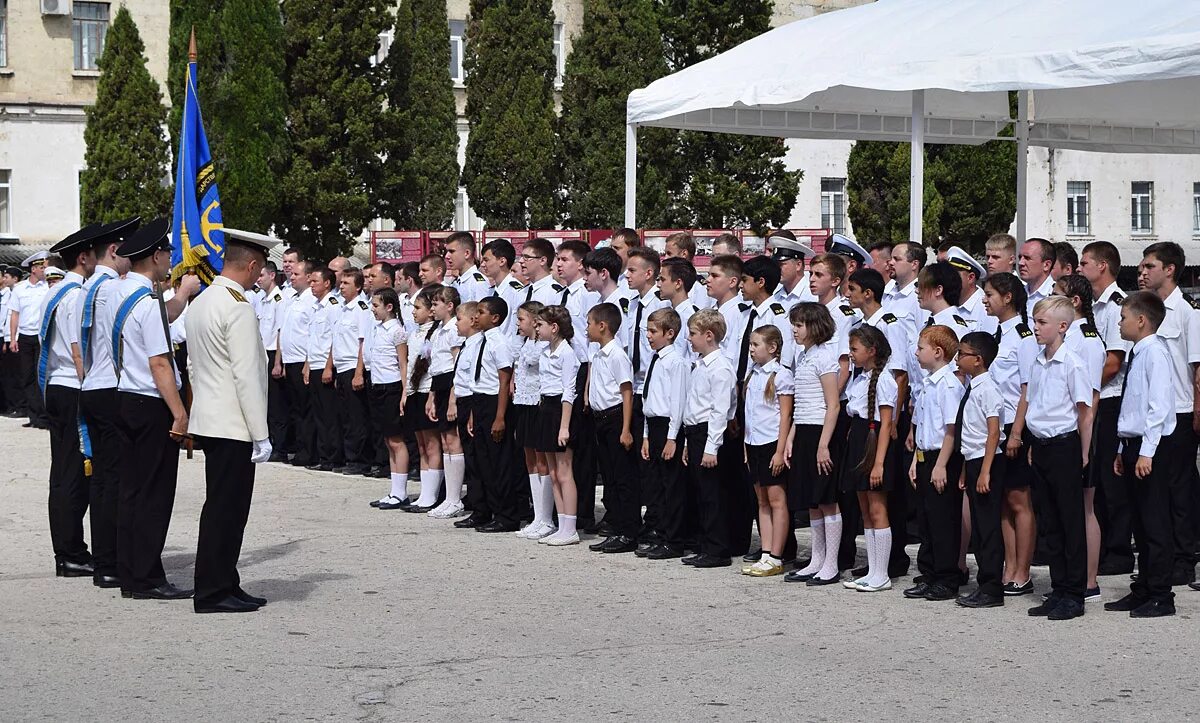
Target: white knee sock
<point>869,534</point>
<point>456,469</point>
<point>399,485</point>
<point>883,552</point>
<point>431,480</point>
<point>566,525</point>
<point>833,543</point>
<point>535,496</point>
<point>817,561</point>
<point>547,500</point>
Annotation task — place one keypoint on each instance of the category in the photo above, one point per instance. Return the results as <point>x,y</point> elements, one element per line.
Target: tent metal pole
<point>916,178</point>
<point>630,175</point>
<point>1022,164</point>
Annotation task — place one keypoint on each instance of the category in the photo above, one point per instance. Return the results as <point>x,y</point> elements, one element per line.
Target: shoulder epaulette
<point>237,295</point>
<point>624,306</point>
<point>1188,298</point>
<point>778,309</point>
<point>332,300</point>
<point>277,297</point>
<point>695,308</point>
<point>557,287</point>
<point>1117,298</point>
<point>890,318</point>
<point>1023,330</point>
<point>1089,331</point>
<point>516,284</point>
<point>847,309</point>
<point>959,320</point>
<point>362,304</point>
<point>479,277</point>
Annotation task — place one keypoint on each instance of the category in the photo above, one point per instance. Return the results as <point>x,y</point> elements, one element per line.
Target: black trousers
<point>476,499</point>
<point>30,349</point>
<point>280,423</point>
<point>670,493</point>
<point>496,463</point>
<point>1152,521</point>
<point>15,399</point>
<point>148,469</point>
<point>100,412</point>
<point>741,504</point>
<point>648,491</point>
<point>326,419</point>
<point>1058,491</point>
<point>986,512</point>
<point>68,487</point>
<point>229,486</point>
<point>939,517</point>
<point>583,452</point>
<point>1179,451</point>
<point>301,416</point>
<point>1114,496</point>
<point>353,417</point>
<point>710,494</point>
<point>901,505</point>
<point>847,501</point>
<point>617,468</point>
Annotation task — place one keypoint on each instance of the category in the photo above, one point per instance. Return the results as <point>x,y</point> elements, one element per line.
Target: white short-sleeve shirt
<point>762,413</point>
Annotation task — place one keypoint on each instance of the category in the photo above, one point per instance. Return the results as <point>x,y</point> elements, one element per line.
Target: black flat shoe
<point>496,526</point>
<point>106,581</point>
<point>938,592</point>
<point>598,546</point>
<point>418,509</point>
<point>663,552</point>
<point>1043,610</point>
<point>65,568</point>
<point>797,576</point>
<point>1066,610</point>
<point>1153,609</point>
<point>817,581</point>
<point>618,545</point>
<point>707,561</point>
<point>979,599</point>
<point>470,522</point>
<point>691,559</point>
<point>917,592</point>
<point>230,604</point>
<point>166,591</point>
<point>244,596</point>
<point>1126,604</point>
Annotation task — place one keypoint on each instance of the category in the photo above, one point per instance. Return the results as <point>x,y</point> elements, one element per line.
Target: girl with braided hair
<point>868,467</point>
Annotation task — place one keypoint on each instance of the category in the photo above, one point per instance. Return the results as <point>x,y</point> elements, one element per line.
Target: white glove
<point>261,452</point>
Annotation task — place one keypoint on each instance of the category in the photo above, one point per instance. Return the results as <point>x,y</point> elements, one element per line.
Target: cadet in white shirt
<point>318,371</point>
<point>724,282</point>
<point>676,277</point>
<point>497,263</point>
<point>537,259</point>
<point>665,393</point>
<point>469,282</point>
<point>907,261</point>
<point>791,252</point>
<point>641,272</point>
<point>1033,266</point>
<point>1058,417</point>
<point>826,272</point>
<point>24,322</point>
<point>270,318</point>
<point>14,399</point>
<point>153,419</point>
<point>352,321</point>
<point>971,297</point>
<point>290,362</point>
<point>681,245</point>
<point>1146,418</point>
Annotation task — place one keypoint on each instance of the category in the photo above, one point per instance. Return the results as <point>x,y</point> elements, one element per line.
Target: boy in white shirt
<point>665,394</point>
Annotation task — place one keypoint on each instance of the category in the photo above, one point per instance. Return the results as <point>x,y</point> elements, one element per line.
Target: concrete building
<point>48,75</point>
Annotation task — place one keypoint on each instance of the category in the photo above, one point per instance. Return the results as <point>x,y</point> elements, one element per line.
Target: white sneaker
<point>561,540</point>
<point>454,510</point>
<point>543,531</point>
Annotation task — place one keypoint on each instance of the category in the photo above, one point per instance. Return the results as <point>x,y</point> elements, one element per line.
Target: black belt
<point>694,428</point>
<point>606,414</point>
<point>1043,441</point>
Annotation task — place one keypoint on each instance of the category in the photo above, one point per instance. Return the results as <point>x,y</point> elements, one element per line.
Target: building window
<point>5,203</point>
<point>1141,197</point>
<point>385,44</point>
<point>458,41</point>
<point>1196,208</point>
<point>560,54</point>
<point>1078,206</point>
<point>833,204</point>
<point>3,33</point>
<point>89,26</point>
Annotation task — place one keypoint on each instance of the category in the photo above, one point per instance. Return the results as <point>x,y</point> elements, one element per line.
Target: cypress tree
<point>421,176</point>
<point>334,120</point>
<point>720,180</point>
<point>127,156</point>
<point>251,114</point>
<point>592,127</point>
<point>510,173</point>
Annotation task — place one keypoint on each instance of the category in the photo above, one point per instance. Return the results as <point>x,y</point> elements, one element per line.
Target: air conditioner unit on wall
<point>56,7</point>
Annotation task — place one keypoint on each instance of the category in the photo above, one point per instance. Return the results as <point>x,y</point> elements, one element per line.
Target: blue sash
<point>118,347</point>
<point>89,320</point>
<point>46,333</point>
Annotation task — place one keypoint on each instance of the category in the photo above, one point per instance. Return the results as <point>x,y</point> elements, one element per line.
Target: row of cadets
<point>24,322</point>
<point>151,418</point>
<point>1099,264</point>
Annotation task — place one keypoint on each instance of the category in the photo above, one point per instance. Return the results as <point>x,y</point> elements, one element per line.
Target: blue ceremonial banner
<point>196,236</point>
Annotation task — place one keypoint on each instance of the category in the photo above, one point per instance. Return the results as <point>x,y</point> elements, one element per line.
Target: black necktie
<point>744,354</point>
<point>1128,368</point>
<point>958,420</point>
<point>529,293</point>
<point>479,359</point>
<point>637,343</point>
<point>929,321</point>
<point>566,292</point>
<point>997,334</point>
<point>649,373</point>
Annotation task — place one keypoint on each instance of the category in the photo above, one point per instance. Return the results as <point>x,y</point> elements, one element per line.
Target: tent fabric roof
<point>1104,75</point>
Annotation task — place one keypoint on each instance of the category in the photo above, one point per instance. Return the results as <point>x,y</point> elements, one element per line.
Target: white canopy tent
<point>1094,75</point>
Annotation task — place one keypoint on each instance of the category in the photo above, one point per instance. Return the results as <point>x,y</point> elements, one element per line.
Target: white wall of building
<point>44,157</point>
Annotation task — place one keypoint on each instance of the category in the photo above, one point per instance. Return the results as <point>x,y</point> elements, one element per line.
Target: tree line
<point>314,138</point>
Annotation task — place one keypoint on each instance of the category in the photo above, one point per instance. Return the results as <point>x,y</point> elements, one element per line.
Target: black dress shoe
<point>980,599</point>
<point>418,509</point>
<point>644,549</point>
<point>244,596</point>
<point>819,581</point>
<point>753,556</point>
<point>27,425</point>
<point>1043,610</point>
<point>917,592</point>
<point>66,568</point>
<point>356,469</point>
<point>230,604</point>
<point>691,559</point>
<point>1066,610</point>
<point>471,521</point>
<point>166,591</point>
<point>663,552</point>
<point>401,505</point>
<point>618,545</point>
<point>106,581</point>
<point>496,526</point>
<point>707,561</point>
<point>1130,602</point>
<point>797,576</point>
<point>589,526</point>
<point>1153,609</point>
<point>937,592</point>
<point>277,457</point>
<point>300,462</point>
<point>598,545</point>
<point>379,472</point>
<point>604,529</point>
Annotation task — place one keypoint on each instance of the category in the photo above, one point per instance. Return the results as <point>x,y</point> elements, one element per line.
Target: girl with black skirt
<point>388,355</point>
<point>868,467</point>
<point>557,370</point>
<point>813,483</point>
<point>440,405</point>
<point>417,392</point>
<point>527,395</point>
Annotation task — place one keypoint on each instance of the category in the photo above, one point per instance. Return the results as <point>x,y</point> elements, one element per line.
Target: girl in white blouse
<point>557,370</point>
<point>388,354</point>
<point>417,394</point>
<point>527,395</point>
